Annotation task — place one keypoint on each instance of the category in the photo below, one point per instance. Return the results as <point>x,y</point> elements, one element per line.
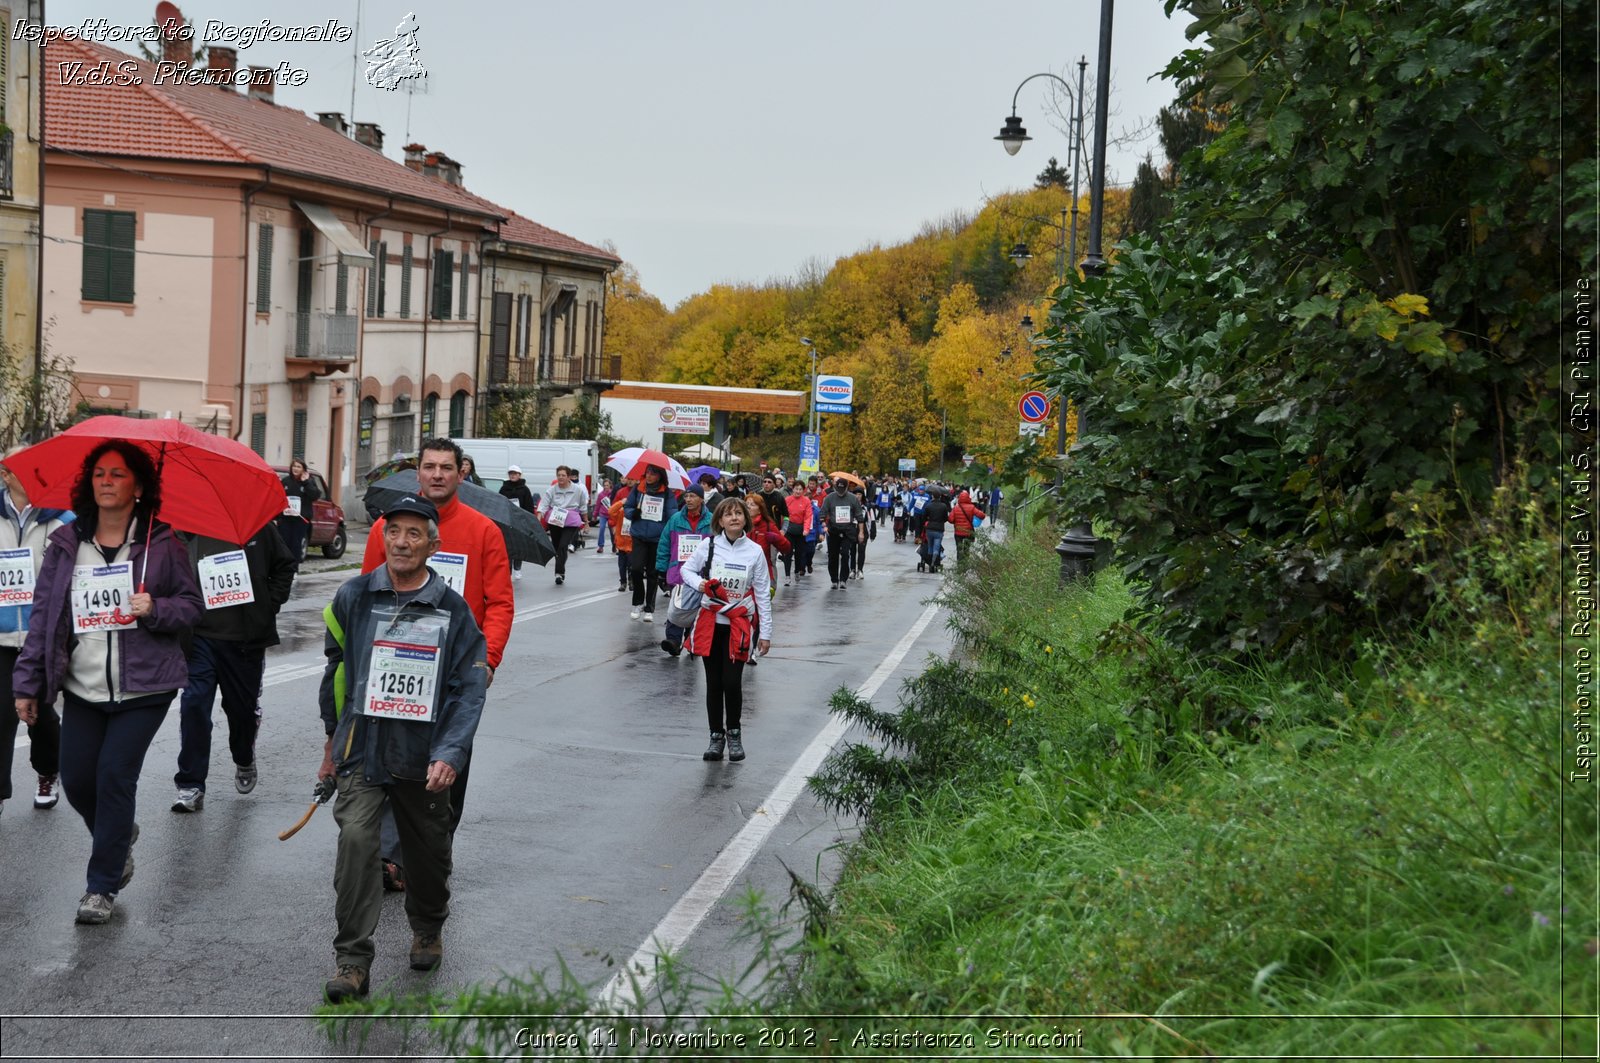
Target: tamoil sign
<point>835,393</point>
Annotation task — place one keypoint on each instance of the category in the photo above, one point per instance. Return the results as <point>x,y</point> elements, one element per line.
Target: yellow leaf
<point>1408,304</point>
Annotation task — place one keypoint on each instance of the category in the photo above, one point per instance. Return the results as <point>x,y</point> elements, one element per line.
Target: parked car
<point>327,518</point>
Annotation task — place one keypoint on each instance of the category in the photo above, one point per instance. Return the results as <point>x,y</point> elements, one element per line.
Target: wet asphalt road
<point>589,815</point>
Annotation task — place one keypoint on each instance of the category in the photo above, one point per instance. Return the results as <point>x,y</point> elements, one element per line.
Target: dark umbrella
<point>526,539</point>
<point>389,468</point>
<point>751,480</point>
<point>700,470</point>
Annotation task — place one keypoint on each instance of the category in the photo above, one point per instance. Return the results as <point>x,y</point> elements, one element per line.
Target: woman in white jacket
<point>24,534</point>
<point>731,571</point>
<point>562,508</point>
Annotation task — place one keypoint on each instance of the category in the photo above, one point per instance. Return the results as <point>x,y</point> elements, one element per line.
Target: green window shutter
<point>466,258</point>
<point>258,433</point>
<point>264,269</point>
<point>120,264</point>
<point>374,278</point>
<point>383,276</point>
<point>95,256</point>
<point>108,255</point>
<point>298,448</point>
<point>405,282</point>
<point>443,274</point>
<point>341,289</point>
<point>458,414</point>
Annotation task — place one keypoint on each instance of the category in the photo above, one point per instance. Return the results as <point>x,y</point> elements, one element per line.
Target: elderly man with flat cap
<point>401,698</point>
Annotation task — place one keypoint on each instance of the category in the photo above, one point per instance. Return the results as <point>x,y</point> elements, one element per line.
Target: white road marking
<point>692,908</point>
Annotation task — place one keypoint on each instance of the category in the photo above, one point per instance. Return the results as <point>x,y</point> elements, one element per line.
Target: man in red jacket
<point>472,559</point>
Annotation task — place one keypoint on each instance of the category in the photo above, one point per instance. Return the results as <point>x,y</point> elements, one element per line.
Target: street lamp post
<point>811,416</point>
<point>1079,546</point>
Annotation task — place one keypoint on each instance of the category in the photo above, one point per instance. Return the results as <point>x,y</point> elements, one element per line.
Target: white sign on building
<point>685,420</point>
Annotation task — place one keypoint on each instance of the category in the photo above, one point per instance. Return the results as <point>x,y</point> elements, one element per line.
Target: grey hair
<point>433,530</point>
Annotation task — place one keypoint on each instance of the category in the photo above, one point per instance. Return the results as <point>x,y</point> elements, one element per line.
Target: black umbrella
<point>526,539</point>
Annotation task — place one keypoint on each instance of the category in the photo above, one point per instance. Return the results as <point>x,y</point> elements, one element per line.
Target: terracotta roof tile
<point>204,123</point>
<point>517,229</point>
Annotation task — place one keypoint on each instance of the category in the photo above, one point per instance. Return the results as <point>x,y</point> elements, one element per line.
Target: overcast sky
<point>720,140</point>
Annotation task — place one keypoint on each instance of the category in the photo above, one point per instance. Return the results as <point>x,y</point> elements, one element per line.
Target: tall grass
<point>1251,861</point>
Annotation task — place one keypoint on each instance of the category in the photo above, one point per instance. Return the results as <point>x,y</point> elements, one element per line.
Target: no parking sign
<point>1034,407</point>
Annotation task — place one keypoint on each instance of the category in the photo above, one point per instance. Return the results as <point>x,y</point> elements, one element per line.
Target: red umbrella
<point>210,485</point>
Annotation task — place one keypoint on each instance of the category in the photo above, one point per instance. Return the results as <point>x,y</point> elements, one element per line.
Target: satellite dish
<point>169,18</point>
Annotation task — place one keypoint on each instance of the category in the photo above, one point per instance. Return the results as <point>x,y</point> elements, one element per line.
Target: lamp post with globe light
<point>1078,546</point>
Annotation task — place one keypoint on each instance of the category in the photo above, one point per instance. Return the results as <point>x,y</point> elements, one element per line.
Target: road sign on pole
<point>1034,407</point>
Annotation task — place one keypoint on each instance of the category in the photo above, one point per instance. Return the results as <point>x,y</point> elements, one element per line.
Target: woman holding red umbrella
<point>647,511</point>
<point>111,651</point>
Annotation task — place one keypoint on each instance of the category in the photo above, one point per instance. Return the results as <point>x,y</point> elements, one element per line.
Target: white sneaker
<point>189,799</point>
<point>648,618</point>
<point>517,574</point>
<point>634,615</point>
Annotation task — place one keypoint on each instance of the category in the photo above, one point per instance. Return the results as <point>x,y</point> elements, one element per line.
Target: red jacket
<point>962,514</point>
<point>740,614</point>
<point>463,530</point>
<point>799,508</point>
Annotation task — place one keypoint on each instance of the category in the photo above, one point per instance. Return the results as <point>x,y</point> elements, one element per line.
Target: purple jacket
<point>152,657</point>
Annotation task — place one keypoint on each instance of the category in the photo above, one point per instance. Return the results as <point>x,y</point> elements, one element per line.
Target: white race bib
<point>452,568</point>
<point>98,593</point>
<point>225,580</point>
<point>558,517</point>
<point>899,511</point>
<point>16,576</point>
<point>403,671</point>
<point>841,514</point>
<point>293,508</point>
<point>687,545</point>
<point>651,507</point>
<point>734,577</point>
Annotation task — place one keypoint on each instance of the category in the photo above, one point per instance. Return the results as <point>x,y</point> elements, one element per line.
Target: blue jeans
<point>935,545</point>
<point>102,752</point>
<point>600,534</point>
<point>237,670</point>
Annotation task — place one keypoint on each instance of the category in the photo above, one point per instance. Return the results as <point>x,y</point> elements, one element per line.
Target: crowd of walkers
<point>412,643</point>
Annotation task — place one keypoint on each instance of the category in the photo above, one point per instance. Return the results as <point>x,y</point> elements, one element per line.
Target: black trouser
<point>102,753</point>
<point>45,752</point>
<point>724,683</point>
<point>295,532</point>
<point>237,670</point>
<point>963,544</point>
<point>642,573</point>
<point>840,551</point>
<point>796,554</point>
<point>861,549</point>
<point>563,539</point>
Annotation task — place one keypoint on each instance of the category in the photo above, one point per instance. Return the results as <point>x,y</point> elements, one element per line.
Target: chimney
<point>261,83</point>
<point>414,154</point>
<point>369,135</point>
<point>174,49</point>
<point>430,165</point>
<point>449,169</point>
<point>334,120</point>
<point>220,66</point>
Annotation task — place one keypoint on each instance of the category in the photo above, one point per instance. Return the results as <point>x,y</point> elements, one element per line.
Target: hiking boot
<point>714,750</point>
<point>94,909</point>
<point>394,877</point>
<point>735,744</point>
<point>47,796</point>
<point>669,648</point>
<point>127,865</point>
<point>244,777</point>
<point>189,799</point>
<point>350,981</point>
<point>427,950</point>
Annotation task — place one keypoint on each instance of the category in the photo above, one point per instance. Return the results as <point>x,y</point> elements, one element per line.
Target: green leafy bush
<point>1351,308</point>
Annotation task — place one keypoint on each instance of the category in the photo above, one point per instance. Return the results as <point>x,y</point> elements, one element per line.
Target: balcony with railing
<point>567,373</point>
<point>322,337</point>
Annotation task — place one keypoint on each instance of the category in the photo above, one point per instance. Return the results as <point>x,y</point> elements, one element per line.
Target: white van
<point>537,458</point>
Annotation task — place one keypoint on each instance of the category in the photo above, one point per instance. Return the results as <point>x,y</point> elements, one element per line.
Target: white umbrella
<point>624,461</point>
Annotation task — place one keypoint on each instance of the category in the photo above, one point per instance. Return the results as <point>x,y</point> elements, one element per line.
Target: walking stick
<point>320,796</point>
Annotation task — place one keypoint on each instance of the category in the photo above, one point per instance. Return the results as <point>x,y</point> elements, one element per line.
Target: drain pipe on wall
<point>245,312</point>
